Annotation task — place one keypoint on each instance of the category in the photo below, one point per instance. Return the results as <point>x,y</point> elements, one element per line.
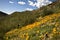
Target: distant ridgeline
<point>2,13</point>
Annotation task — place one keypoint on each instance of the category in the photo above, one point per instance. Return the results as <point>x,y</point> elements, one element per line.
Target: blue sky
<point>9,6</point>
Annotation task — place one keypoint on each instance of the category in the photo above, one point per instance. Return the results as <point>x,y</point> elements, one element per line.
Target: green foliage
<point>56,37</point>
<point>40,32</point>
<point>47,12</point>
<point>19,19</point>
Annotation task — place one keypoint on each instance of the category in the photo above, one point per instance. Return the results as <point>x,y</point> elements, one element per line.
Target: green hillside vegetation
<point>3,16</point>
<point>46,29</point>
<point>17,20</point>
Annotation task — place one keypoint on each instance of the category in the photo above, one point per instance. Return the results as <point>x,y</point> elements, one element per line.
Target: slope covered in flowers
<point>47,28</point>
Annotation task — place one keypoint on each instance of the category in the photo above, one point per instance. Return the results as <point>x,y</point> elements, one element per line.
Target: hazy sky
<point>9,6</point>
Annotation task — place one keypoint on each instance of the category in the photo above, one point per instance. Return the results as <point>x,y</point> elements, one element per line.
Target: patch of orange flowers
<point>31,26</point>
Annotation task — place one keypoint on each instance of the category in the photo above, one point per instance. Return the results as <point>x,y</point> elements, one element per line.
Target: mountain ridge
<point>2,13</point>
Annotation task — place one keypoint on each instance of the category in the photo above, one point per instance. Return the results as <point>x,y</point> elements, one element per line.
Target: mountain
<point>40,24</point>
<point>42,20</point>
<point>2,15</point>
<point>48,28</point>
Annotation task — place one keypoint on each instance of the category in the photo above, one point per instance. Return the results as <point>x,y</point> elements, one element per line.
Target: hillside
<point>2,15</point>
<point>20,18</point>
<point>30,21</point>
<point>48,25</point>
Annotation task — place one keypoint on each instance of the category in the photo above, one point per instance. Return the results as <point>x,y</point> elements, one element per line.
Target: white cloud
<point>39,3</point>
<point>28,9</point>
<point>21,3</point>
<point>31,3</point>
<point>11,2</point>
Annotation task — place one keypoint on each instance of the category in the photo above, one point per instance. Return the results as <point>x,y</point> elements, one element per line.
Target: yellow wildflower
<point>57,24</point>
<point>38,31</point>
<point>27,38</point>
<point>54,30</point>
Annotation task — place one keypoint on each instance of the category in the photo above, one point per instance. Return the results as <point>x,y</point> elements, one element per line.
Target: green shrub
<point>46,12</point>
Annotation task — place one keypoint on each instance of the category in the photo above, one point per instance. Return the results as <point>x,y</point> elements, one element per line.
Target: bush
<point>46,12</point>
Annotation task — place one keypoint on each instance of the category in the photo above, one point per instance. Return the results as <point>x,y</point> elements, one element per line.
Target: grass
<point>28,21</point>
<point>45,29</point>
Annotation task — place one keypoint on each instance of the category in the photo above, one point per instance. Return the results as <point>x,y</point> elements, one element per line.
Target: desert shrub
<point>56,37</point>
<point>18,18</point>
<point>46,12</point>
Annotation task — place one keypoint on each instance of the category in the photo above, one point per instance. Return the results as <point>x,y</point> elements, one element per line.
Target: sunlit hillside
<point>48,28</point>
<point>39,24</point>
